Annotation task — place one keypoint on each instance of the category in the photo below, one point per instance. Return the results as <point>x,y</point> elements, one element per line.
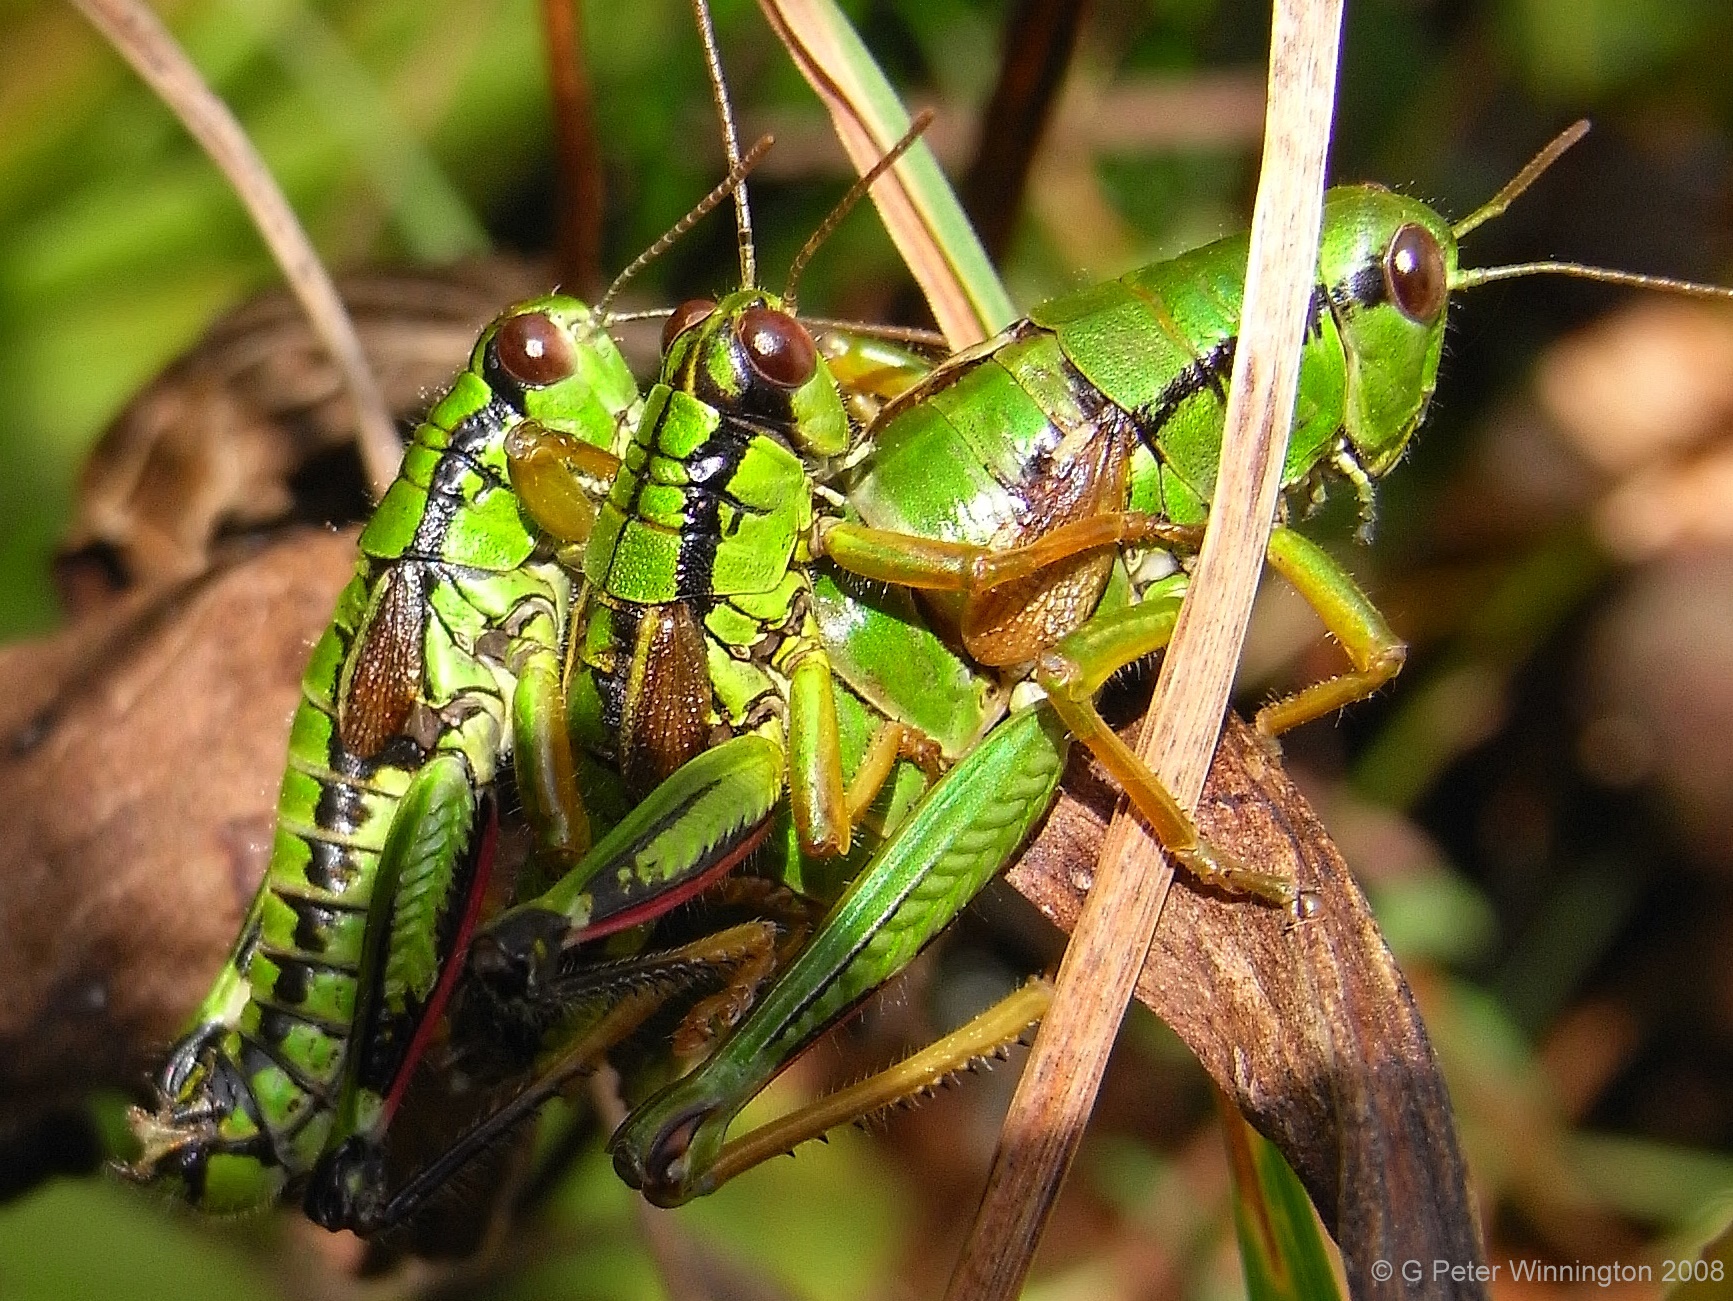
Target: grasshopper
<point>441,664</point>
<point>1042,493</point>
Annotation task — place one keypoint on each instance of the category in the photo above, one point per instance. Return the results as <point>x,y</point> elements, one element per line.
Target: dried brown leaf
<point>216,442</point>
<point>141,749</point>
<point>1309,1028</point>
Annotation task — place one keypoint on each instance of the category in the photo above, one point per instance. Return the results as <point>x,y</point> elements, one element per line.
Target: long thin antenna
<point>931,340</point>
<point>928,339</point>
<point>856,193</point>
<point>730,184</point>
<point>1495,206</point>
<point>1470,277</point>
<point>730,143</point>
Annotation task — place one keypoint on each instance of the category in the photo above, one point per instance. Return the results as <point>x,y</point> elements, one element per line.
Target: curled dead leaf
<point>142,748</point>
<point>253,426</point>
<point>1309,1027</point>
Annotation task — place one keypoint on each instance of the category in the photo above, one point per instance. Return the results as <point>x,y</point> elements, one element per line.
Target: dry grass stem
<point>805,29</point>
<point>1057,1091</point>
<point>140,37</point>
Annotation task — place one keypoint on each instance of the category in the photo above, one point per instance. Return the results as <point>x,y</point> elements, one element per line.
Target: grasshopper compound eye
<point>684,317</point>
<point>534,351</point>
<point>778,346</point>
<point>1414,274</point>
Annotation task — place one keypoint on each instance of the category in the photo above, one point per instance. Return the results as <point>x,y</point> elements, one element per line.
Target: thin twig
<point>579,221</point>
<point>140,37</point>
<point>1054,1098</point>
<point>1039,40</point>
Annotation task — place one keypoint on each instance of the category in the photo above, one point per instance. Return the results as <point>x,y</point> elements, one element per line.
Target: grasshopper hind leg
<point>623,998</point>
<point>1075,669</point>
<point>663,1173</point>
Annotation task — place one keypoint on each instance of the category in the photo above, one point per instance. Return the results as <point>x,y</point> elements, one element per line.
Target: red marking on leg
<point>435,1008</point>
<point>658,905</point>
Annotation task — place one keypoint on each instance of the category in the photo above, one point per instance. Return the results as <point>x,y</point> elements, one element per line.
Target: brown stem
<point>1045,1125</point>
<point>1039,41</point>
<point>580,188</point>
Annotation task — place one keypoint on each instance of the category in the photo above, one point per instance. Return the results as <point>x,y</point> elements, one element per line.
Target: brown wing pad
<point>1016,621</point>
<point>663,723</point>
<point>384,677</point>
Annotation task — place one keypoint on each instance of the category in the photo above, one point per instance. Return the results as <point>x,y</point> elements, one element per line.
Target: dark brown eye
<point>684,317</point>
<point>1414,274</point>
<point>534,351</point>
<point>778,346</point>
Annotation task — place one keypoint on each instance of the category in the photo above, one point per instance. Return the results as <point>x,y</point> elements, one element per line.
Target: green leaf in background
<point>1281,1246</point>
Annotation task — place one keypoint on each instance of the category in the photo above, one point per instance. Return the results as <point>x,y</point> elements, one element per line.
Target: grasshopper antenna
<point>1469,277</point>
<point>1495,206</point>
<point>730,143</point>
<point>856,193</point>
<point>730,184</point>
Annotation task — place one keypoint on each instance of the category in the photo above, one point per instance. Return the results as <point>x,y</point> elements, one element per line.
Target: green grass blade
<point>918,206</point>
<point>1281,1247</point>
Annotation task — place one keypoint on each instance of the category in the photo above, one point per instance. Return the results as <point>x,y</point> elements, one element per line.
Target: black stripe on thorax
<point>1212,371</point>
<point>624,617</point>
<point>445,486</point>
<point>710,470</point>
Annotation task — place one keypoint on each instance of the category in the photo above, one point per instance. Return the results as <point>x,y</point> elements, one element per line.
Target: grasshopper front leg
<point>1375,651</point>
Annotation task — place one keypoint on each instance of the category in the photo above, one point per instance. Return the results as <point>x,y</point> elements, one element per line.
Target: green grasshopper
<point>1018,486</point>
<point>697,667</point>
<point>441,663</point>
<point>699,680</point>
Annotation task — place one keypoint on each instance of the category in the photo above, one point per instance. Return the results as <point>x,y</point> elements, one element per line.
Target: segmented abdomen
<point>417,660</point>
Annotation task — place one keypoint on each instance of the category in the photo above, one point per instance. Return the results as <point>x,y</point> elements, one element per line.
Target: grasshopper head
<point>1388,264</point>
<point>553,360</point>
<point>747,354</point>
